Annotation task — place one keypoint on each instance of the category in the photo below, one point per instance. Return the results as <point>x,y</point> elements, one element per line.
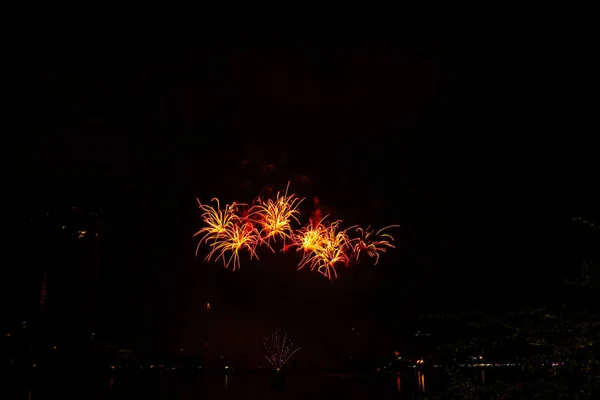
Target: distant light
<point>7,335</point>
<point>53,347</point>
<point>227,367</point>
<point>180,349</point>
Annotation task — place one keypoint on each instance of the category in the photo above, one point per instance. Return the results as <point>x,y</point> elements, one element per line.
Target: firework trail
<point>279,349</point>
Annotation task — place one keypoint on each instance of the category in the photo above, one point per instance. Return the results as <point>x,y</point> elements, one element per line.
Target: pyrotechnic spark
<point>310,240</point>
<point>372,243</point>
<point>217,221</point>
<point>279,349</point>
<point>324,246</point>
<point>334,250</point>
<point>233,239</point>
<point>275,216</point>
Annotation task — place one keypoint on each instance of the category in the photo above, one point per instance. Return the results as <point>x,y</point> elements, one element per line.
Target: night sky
<point>481,176</point>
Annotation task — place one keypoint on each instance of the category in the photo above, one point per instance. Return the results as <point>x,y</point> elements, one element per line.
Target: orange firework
<point>324,247</point>
<point>275,216</point>
<point>233,240</point>
<point>372,243</point>
<point>217,221</point>
<point>311,240</point>
<point>334,250</point>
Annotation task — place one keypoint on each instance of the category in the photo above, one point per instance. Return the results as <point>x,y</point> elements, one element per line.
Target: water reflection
<point>421,379</point>
<point>262,386</point>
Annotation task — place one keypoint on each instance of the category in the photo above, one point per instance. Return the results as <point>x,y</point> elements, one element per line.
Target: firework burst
<point>325,246</point>
<point>234,239</point>
<point>275,216</point>
<point>217,222</point>
<point>372,243</point>
<point>334,250</point>
<point>310,240</point>
<point>279,349</point>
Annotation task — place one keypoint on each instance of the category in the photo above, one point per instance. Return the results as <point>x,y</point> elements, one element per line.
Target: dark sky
<point>454,147</point>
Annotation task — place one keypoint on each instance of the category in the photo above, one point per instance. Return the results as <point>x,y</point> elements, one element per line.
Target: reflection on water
<point>157,385</point>
<point>421,380</point>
